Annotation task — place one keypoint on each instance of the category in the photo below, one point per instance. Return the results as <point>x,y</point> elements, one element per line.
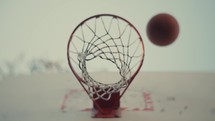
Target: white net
<point>110,39</point>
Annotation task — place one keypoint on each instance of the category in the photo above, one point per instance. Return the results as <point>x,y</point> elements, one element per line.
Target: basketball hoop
<point>116,42</point>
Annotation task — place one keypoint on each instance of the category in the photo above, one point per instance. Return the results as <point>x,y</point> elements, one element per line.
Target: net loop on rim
<point>108,38</point>
<point>96,89</point>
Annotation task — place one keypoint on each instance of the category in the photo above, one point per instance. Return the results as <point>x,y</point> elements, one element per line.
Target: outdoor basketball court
<point>82,61</point>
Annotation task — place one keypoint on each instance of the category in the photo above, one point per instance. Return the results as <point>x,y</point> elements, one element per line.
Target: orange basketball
<point>162,29</point>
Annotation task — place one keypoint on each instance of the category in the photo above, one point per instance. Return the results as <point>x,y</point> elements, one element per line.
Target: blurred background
<point>34,34</point>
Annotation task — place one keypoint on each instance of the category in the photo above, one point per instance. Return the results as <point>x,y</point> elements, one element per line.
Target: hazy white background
<point>41,29</point>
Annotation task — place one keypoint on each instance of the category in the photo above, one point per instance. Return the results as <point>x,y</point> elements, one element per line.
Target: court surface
<point>152,96</point>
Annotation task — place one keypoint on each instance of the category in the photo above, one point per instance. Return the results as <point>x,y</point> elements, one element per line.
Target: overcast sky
<point>41,28</point>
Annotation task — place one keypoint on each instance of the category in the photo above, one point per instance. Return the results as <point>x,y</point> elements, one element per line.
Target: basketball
<point>162,29</point>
